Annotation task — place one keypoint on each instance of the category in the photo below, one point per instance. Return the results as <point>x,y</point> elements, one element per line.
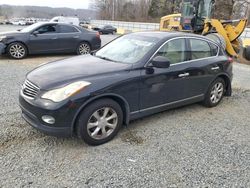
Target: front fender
<point>106,95</point>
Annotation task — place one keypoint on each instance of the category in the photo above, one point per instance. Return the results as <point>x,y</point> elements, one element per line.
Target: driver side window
<point>174,51</point>
<point>47,29</point>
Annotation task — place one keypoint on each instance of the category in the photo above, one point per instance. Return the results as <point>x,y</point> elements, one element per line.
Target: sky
<point>76,4</point>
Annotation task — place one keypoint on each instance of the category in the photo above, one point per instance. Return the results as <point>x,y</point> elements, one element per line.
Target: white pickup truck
<point>68,20</point>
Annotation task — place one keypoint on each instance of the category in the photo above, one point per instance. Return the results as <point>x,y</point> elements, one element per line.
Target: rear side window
<point>67,29</point>
<point>214,49</point>
<point>199,49</point>
<point>174,50</point>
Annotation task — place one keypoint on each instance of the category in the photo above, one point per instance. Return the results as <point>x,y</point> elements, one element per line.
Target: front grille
<point>29,89</point>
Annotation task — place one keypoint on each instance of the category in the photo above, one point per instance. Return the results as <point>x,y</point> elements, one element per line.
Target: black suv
<point>136,75</point>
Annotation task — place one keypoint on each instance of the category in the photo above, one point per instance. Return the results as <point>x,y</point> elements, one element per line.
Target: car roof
<point>59,23</point>
<point>170,34</point>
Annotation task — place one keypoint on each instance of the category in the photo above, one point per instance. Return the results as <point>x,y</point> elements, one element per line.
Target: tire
<point>218,39</point>
<point>17,50</point>
<point>92,122</point>
<point>215,93</point>
<point>83,48</point>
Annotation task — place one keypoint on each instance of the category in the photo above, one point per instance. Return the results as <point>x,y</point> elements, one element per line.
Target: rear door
<point>45,40</point>
<point>201,68</point>
<point>68,38</point>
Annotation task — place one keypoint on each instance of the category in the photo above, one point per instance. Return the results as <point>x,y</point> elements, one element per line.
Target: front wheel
<point>215,93</point>
<point>100,122</point>
<point>17,50</point>
<point>83,48</point>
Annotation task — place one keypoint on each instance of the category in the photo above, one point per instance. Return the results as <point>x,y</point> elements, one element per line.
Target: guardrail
<point>127,27</point>
<point>246,34</point>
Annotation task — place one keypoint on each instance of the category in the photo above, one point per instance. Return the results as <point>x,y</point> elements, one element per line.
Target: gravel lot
<point>191,146</point>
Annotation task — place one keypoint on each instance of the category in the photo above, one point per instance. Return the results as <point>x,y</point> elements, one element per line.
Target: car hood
<point>11,33</point>
<point>62,72</point>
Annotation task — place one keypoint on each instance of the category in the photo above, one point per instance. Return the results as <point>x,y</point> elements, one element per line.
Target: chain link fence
<point>246,34</point>
<point>139,26</point>
<point>129,26</point>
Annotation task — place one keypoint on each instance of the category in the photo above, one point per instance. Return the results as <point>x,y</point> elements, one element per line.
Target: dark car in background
<point>45,38</point>
<point>135,75</point>
<point>107,29</point>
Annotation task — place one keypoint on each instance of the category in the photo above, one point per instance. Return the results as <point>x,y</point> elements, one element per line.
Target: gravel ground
<point>191,146</point>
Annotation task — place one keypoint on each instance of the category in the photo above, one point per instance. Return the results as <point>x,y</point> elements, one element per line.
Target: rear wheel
<point>17,50</point>
<point>83,48</point>
<point>215,93</point>
<point>100,122</point>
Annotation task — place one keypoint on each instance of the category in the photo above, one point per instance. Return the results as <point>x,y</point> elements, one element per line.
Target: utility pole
<point>113,12</point>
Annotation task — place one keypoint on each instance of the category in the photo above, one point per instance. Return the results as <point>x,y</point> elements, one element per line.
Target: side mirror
<point>35,33</point>
<point>160,62</point>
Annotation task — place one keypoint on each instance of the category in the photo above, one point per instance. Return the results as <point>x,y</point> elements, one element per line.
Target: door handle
<point>183,75</point>
<point>215,68</point>
<point>54,38</point>
<point>76,37</point>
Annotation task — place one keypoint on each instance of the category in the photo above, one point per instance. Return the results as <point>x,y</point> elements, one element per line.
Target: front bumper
<point>32,114</point>
<point>2,48</point>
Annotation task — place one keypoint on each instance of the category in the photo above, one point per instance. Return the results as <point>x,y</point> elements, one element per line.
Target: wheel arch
<point>85,42</point>
<point>17,41</point>
<point>227,81</point>
<point>228,84</point>
<point>117,98</point>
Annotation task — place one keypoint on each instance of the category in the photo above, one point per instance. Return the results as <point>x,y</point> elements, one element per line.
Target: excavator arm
<point>229,32</point>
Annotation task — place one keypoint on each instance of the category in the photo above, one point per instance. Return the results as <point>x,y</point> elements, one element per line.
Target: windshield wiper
<point>105,58</point>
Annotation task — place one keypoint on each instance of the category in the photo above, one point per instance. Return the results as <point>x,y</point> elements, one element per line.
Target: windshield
<point>30,28</point>
<point>205,9</point>
<point>187,9</point>
<point>127,49</point>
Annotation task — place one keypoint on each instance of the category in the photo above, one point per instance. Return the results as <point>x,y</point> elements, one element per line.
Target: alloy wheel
<point>102,123</point>
<point>217,92</point>
<point>84,48</point>
<point>17,51</point>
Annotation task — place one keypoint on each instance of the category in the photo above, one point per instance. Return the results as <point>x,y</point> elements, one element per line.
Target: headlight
<point>2,38</point>
<point>58,95</point>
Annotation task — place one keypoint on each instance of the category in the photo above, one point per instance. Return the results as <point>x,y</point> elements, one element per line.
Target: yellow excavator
<point>196,16</point>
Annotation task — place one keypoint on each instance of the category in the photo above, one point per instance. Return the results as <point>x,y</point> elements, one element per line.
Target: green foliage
<point>159,8</point>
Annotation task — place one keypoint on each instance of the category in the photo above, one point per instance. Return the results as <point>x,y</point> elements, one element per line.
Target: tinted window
<point>108,27</point>
<point>67,29</point>
<point>214,49</point>
<point>199,49</point>
<point>174,50</point>
<point>47,29</point>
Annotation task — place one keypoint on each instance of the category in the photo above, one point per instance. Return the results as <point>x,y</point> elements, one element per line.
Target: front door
<point>161,86</point>
<point>44,39</point>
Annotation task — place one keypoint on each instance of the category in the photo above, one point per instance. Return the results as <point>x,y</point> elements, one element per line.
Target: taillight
<point>230,60</point>
<point>97,34</point>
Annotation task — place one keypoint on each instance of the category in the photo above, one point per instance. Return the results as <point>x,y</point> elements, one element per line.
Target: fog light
<point>48,119</point>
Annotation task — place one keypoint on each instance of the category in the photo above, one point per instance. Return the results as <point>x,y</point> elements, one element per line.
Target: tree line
<point>152,10</point>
